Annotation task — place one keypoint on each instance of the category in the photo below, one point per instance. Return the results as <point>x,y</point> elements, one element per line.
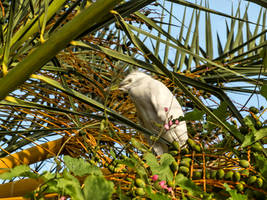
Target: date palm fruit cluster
<point>237,172</point>
<point>197,164</point>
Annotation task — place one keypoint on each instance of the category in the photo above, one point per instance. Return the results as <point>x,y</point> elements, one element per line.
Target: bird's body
<point>155,104</point>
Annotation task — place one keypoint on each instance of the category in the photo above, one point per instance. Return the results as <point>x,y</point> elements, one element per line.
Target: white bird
<point>155,104</point>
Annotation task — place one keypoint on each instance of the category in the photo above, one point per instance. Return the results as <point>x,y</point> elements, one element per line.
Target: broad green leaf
<point>165,171</point>
<point>48,176</point>
<point>80,167</point>
<point>220,112</point>
<point>162,169</point>
<point>234,194</point>
<point>194,115</point>
<point>70,185</point>
<point>152,161</point>
<point>51,182</point>
<point>130,162</point>
<point>135,164</point>
<point>254,134</point>
<point>261,163</point>
<point>187,184</point>
<point>15,172</point>
<point>97,188</point>
<point>254,137</point>
<point>156,195</point>
<point>248,121</point>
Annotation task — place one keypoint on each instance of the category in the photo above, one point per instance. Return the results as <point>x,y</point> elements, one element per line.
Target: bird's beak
<point>121,87</point>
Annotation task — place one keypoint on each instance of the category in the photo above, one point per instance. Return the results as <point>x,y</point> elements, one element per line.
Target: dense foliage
<point>61,62</point>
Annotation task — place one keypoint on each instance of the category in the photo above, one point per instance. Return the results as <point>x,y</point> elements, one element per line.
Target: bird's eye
<point>129,80</point>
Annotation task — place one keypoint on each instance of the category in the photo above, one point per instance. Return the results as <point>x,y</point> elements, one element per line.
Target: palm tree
<point>61,63</point>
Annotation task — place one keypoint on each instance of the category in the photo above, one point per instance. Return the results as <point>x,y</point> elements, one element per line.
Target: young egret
<point>156,105</point>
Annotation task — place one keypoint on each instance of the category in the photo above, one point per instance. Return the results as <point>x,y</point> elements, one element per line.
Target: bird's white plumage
<point>151,97</point>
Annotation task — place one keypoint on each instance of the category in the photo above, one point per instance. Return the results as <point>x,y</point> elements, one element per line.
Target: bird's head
<point>131,80</point>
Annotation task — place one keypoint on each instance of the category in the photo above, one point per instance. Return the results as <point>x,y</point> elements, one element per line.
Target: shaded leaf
<point>15,172</point>
<point>79,167</point>
<point>254,137</point>
<point>196,114</point>
<point>152,161</point>
<point>70,186</point>
<point>261,163</point>
<point>234,194</point>
<point>156,195</point>
<point>187,184</point>
<point>162,168</point>
<point>97,188</point>
<point>220,112</point>
<point>130,162</point>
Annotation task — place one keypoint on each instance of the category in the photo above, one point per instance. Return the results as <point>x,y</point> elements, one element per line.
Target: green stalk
<point>32,26</point>
<point>60,39</point>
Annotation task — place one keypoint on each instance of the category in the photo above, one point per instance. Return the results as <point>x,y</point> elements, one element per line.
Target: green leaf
<point>50,181</point>
<point>79,167</point>
<point>20,170</point>
<point>234,194</point>
<point>165,171</point>
<point>194,115</point>
<point>162,169</point>
<point>151,160</point>
<point>121,195</point>
<point>97,188</point>
<point>70,185</point>
<point>249,122</point>
<point>261,163</point>
<point>254,137</point>
<point>130,162</point>
<point>263,91</point>
<point>187,184</point>
<point>221,111</point>
<point>135,164</point>
<point>47,176</point>
<point>138,145</point>
<point>155,196</point>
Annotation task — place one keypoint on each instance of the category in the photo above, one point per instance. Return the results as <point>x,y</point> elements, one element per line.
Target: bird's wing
<point>161,98</point>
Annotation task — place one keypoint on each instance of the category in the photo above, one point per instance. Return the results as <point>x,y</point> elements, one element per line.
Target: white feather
<point>151,97</point>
